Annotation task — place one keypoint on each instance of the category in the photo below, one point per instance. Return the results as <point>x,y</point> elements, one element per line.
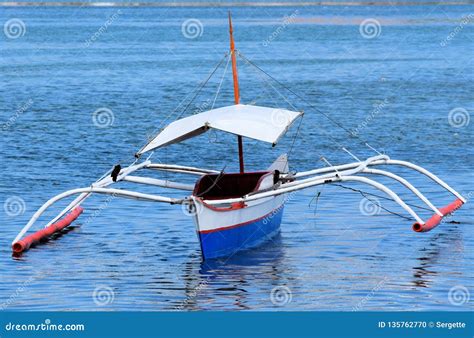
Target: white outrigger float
<point>236,211</point>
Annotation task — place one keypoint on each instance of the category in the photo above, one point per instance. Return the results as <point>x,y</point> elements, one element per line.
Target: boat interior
<point>232,185</point>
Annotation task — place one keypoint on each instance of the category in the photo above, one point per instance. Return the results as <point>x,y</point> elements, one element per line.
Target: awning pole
<point>236,91</point>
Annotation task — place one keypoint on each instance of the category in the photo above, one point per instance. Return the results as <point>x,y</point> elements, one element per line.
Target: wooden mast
<point>236,90</point>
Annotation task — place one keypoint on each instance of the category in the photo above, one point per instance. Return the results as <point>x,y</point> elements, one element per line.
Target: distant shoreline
<point>231,4</point>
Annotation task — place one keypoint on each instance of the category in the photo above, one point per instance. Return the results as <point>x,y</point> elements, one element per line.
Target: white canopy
<point>260,123</point>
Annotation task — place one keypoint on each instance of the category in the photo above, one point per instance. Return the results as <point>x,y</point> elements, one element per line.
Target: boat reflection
<point>443,243</point>
<point>230,280</point>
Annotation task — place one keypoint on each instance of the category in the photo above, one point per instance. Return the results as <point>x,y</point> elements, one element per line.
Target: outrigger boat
<point>236,211</point>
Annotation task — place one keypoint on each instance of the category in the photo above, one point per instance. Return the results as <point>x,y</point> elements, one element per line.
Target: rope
<point>295,136</point>
<point>380,196</point>
<point>266,81</point>
<point>220,84</point>
<point>309,103</point>
<point>196,93</point>
<point>364,194</point>
<point>326,134</point>
<point>271,85</point>
<point>202,85</point>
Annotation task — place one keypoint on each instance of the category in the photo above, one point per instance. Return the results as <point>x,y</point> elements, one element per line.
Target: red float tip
<point>18,247</point>
<point>417,227</point>
<point>436,219</point>
<point>25,243</point>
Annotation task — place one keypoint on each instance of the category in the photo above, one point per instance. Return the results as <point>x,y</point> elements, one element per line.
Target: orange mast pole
<point>236,91</point>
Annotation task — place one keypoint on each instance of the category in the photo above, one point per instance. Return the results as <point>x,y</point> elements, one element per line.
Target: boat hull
<point>224,232</point>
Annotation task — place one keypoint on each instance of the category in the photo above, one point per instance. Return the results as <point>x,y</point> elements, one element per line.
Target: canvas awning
<point>259,123</point>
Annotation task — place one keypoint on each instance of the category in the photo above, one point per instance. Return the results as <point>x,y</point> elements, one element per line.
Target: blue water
<point>395,89</point>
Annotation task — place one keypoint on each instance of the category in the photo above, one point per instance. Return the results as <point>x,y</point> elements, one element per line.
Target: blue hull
<point>227,242</point>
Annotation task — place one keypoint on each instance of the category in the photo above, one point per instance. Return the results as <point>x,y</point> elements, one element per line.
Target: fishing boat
<point>236,211</point>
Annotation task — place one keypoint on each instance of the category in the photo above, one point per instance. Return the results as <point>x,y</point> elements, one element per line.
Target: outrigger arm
<point>348,172</point>
<point>289,183</point>
<point>100,187</point>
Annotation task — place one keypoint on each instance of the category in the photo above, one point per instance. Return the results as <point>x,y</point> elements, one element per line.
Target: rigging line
<point>295,137</point>
<point>266,81</point>
<point>309,103</point>
<point>273,87</point>
<point>202,85</point>
<point>269,92</point>
<point>197,91</point>
<point>325,132</point>
<point>379,196</point>
<point>214,183</point>
<point>220,84</point>
<point>388,210</point>
<point>364,194</point>
<point>316,197</point>
<point>317,202</point>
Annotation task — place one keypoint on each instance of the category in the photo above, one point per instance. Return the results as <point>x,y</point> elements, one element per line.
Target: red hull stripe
<point>241,224</point>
